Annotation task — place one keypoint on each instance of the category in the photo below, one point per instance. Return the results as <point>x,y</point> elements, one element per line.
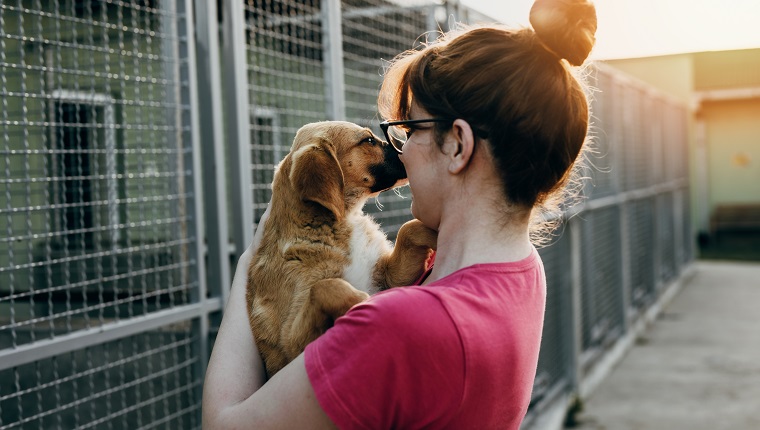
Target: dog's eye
<point>371,140</point>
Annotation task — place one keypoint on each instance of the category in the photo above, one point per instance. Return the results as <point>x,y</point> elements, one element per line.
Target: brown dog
<point>320,254</point>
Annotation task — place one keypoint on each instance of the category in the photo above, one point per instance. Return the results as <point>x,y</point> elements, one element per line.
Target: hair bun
<point>565,27</point>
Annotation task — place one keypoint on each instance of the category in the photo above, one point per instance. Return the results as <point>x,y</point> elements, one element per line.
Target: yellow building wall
<point>733,151</point>
<point>673,74</point>
<point>727,69</point>
<point>727,168</point>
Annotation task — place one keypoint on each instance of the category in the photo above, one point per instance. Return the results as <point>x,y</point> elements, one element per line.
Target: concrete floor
<point>697,367</point>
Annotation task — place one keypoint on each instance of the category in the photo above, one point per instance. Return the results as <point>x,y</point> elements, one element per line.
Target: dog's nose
<point>388,173</point>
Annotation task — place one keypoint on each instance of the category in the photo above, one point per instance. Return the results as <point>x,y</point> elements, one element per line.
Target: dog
<point>320,254</point>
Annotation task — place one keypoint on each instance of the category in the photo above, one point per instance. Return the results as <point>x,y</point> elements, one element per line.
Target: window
<point>84,157</point>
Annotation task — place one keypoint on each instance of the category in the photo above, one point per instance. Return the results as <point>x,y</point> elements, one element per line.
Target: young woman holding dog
<point>492,121</point>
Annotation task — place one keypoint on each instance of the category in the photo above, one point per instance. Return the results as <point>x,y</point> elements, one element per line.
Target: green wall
<point>124,61</point>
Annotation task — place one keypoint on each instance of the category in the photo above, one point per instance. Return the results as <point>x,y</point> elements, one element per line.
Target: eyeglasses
<point>398,132</point>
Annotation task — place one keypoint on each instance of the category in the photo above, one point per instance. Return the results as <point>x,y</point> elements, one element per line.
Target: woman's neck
<point>470,234</point>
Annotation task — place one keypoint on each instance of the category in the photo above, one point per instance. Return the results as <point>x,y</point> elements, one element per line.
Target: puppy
<point>320,254</point>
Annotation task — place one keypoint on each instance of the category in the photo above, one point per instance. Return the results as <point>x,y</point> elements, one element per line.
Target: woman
<point>490,122</point>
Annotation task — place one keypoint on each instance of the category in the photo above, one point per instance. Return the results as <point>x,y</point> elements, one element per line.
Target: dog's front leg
<point>406,264</point>
<point>324,302</point>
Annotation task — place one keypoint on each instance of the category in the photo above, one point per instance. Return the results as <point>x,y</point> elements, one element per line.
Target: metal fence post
<point>625,206</point>
<point>332,43</point>
<point>625,264</point>
<point>237,124</point>
<point>678,230</point>
<point>193,164</point>
<point>576,304</point>
<point>212,147</point>
<point>657,226</point>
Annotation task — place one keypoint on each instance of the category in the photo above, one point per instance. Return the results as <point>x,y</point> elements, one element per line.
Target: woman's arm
<point>235,394</point>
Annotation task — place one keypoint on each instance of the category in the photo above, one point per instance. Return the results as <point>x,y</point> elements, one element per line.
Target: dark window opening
<point>75,187</point>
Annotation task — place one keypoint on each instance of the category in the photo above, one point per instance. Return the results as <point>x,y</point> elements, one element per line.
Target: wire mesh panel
<point>637,155</point>
<point>666,237</point>
<point>675,144</point>
<point>93,202</point>
<point>652,127</point>
<point>676,140</point>
<point>600,156</point>
<point>287,82</point>
<point>555,359</point>
<point>680,133</point>
<point>374,32</point>
<point>641,234</point>
<point>143,381</point>
<point>687,246</point>
<point>602,311</point>
<point>470,16</point>
<point>95,208</point>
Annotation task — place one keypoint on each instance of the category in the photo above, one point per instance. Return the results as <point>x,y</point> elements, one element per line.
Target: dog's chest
<point>367,244</point>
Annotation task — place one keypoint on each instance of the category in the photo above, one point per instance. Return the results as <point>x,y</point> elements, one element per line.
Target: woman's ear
<point>463,146</point>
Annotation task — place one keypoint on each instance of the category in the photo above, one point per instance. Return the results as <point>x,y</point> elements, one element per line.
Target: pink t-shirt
<point>458,353</point>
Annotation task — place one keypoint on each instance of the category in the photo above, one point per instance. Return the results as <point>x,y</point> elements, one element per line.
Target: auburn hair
<point>517,86</point>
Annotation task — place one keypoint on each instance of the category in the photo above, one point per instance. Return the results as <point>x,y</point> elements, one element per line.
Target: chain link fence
<point>115,256</point>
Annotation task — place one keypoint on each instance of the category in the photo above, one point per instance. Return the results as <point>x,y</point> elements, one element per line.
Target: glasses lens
<point>397,136</point>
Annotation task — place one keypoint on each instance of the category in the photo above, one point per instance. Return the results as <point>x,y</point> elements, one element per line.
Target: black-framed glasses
<point>398,132</point>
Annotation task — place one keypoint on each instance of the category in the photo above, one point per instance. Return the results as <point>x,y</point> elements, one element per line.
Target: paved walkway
<point>697,367</point>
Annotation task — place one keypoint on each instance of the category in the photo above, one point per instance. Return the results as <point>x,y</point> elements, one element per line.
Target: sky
<point>642,28</point>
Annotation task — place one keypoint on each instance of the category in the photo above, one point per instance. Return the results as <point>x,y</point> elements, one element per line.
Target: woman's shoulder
<point>418,305</point>
<point>397,322</point>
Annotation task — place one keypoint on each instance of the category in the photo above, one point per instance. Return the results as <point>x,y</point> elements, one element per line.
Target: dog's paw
<point>414,234</point>
<point>336,296</point>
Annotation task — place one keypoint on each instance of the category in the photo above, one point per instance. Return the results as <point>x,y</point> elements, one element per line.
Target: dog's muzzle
<point>390,172</point>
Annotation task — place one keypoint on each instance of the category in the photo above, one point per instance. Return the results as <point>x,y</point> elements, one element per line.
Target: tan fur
<point>296,287</point>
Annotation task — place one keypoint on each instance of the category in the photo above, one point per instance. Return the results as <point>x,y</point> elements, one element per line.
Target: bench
<point>735,218</point>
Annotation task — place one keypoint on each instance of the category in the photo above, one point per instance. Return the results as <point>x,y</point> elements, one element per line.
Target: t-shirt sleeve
<point>395,361</point>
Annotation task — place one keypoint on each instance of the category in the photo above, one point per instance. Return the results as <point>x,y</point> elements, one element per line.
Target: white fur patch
<point>368,243</point>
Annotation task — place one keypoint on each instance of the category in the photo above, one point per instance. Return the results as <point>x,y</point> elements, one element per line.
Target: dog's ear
<point>316,175</point>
